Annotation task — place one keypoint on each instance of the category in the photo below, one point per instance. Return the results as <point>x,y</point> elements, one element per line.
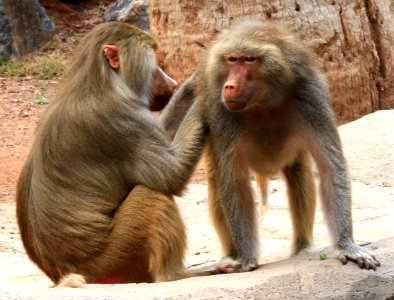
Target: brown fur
<point>175,111</point>
<point>267,106</point>
<point>94,198</point>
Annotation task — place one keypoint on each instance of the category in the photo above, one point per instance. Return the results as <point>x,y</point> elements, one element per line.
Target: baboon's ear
<point>111,52</point>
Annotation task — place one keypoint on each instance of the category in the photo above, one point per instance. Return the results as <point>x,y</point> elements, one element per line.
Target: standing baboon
<point>267,108</point>
<point>94,198</point>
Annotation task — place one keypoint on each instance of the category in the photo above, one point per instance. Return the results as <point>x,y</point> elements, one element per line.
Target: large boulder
<point>354,42</point>
<point>131,11</point>
<point>24,27</point>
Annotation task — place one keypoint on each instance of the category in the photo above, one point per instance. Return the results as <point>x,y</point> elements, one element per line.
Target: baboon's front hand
<point>359,255</point>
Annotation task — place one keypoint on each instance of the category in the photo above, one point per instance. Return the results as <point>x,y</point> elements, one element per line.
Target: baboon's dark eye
<point>231,59</point>
<point>249,59</point>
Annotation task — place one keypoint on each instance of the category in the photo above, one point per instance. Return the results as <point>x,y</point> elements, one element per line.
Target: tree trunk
<point>29,25</point>
<point>354,41</point>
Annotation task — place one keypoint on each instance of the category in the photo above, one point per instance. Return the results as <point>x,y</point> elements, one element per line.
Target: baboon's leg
<point>302,200</point>
<point>232,208</point>
<point>216,210</point>
<point>262,183</point>
<point>147,242</point>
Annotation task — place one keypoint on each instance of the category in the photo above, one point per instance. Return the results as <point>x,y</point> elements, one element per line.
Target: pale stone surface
<point>368,144</point>
<point>369,148</point>
<point>302,277</point>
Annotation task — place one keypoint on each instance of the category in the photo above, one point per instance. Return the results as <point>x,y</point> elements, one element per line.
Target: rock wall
<point>24,27</point>
<point>354,41</point>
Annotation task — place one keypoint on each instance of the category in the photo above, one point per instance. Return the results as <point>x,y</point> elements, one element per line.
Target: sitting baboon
<point>95,197</point>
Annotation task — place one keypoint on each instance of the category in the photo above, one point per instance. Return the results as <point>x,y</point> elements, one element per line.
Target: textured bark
<point>354,41</point>
<point>28,23</point>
